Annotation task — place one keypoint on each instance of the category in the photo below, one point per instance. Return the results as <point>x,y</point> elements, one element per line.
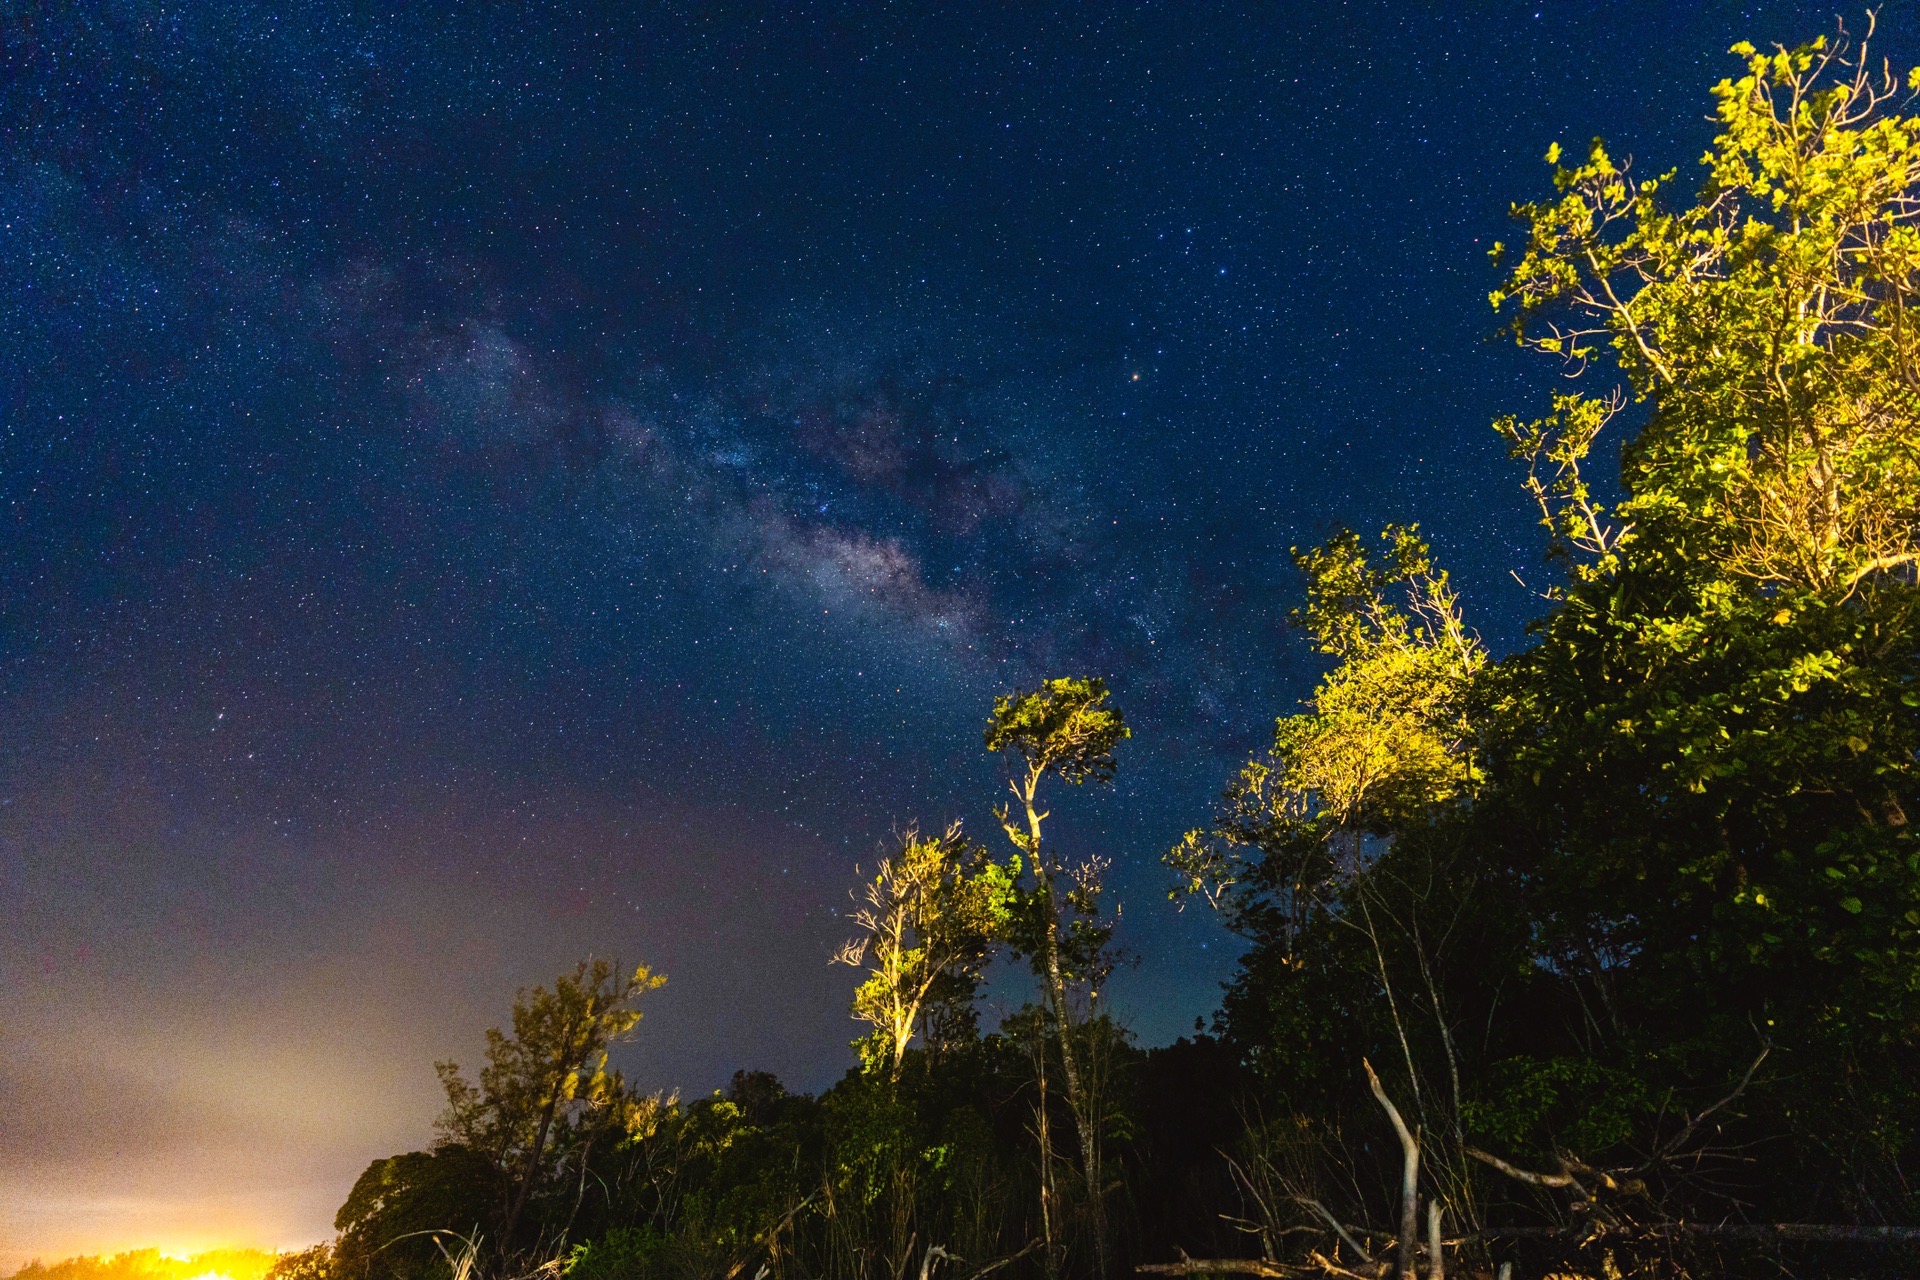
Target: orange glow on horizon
<point>231,1262</point>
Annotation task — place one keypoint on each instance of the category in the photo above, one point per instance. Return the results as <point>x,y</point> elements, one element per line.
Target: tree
<point>1385,738</point>
<point>406,1211</point>
<point>1065,729</point>
<point>1767,322</point>
<point>1674,827</point>
<point>544,1078</point>
<point>1332,854</point>
<point>312,1263</point>
<point>1706,764</point>
<point>928,920</point>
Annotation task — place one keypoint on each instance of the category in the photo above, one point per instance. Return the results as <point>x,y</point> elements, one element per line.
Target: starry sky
<point>484,484</point>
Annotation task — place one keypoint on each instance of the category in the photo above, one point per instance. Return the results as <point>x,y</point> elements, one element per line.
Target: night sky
<point>485,484</point>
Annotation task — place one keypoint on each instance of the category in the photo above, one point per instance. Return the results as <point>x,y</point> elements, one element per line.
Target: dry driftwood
<point>1219,1266</point>
<point>1754,1232</point>
<point>1409,1174</point>
<point>1751,1232</point>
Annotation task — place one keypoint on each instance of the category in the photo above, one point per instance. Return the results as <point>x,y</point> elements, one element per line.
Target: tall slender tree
<point>1067,730</point>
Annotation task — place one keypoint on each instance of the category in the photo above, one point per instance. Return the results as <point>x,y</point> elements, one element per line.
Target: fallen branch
<point>1665,1150</point>
<point>1009,1260</point>
<point>1523,1175</point>
<point>1338,1229</point>
<point>1220,1266</point>
<point>1810,1232</point>
<point>1329,1267</point>
<point>1755,1232</point>
<point>1758,1232</point>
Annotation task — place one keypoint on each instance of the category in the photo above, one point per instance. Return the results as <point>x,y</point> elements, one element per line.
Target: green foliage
<point>1765,320</point>
<point>929,920</point>
<point>555,1058</point>
<point>314,1263</point>
<point>1536,1107</point>
<point>1676,824</point>
<point>624,1253</point>
<point>1384,740</point>
<point>1065,728</point>
<point>404,1213</point>
<point>546,1090</point>
<point>1709,754</point>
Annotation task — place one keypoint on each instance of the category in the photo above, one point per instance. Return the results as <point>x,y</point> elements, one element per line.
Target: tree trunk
<point>1084,1121</point>
<point>1046,1153</point>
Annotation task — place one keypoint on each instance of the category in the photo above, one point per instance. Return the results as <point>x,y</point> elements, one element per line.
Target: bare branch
<point>1339,1230</point>
<point>1409,1175</point>
<point>1522,1175</point>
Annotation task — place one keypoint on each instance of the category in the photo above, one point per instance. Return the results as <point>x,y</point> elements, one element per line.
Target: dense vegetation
<point>1603,956</point>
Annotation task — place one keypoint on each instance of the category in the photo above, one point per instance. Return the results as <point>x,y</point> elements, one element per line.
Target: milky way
<point>486,484</point>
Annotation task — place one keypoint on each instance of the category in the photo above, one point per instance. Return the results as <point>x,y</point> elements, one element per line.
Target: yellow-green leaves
<point>1765,323</point>
<point>1555,449</point>
<point>1066,727</point>
<point>928,921</point>
<point>1385,737</point>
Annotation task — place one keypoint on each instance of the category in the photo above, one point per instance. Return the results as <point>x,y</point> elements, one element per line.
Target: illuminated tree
<point>1767,322</point>
<point>546,1077</point>
<point>406,1213</point>
<point>312,1263</point>
<point>1065,729</point>
<point>1385,737</point>
<point>928,922</point>
<point>1678,819</point>
<point>1705,767</point>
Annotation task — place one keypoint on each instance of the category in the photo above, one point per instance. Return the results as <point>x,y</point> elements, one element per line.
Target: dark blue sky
<point>484,484</point>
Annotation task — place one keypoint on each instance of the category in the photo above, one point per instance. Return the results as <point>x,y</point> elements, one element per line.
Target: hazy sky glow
<point>485,484</point>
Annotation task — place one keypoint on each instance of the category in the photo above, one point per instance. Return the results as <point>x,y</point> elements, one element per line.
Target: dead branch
<point>1338,1230</point>
<point>1009,1260</point>
<point>1332,1268</point>
<point>1221,1266</point>
<point>1409,1176</point>
<point>1752,1232</point>
<point>1623,1179</point>
<point>1522,1175</point>
<point>1807,1232</point>
<point>1665,1150</point>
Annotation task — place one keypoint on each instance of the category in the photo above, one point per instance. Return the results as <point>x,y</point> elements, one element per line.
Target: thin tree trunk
<point>1046,1153</point>
<point>1077,1101</point>
<point>530,1167</point>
